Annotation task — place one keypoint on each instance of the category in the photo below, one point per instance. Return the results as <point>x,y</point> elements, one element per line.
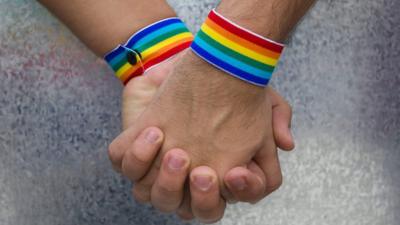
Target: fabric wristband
<point>148,47</point>
<point>236,50</point>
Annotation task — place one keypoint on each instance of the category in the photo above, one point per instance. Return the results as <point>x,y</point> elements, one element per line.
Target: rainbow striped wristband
<point>148,47</point>
<point>236,50</point>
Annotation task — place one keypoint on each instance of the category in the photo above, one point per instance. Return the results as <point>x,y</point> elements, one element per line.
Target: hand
<point>137,94</point>
<point>220,121</point>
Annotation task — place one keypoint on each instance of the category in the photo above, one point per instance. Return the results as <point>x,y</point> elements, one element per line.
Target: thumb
<point>155,76</point>
<point>281,120</point>
<point>139,91</point>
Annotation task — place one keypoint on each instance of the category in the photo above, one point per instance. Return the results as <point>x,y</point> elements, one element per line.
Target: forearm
<point>271,18</point>
<point>102,25</point>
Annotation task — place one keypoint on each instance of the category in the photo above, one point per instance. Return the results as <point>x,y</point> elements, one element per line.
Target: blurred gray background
<point>60,107</point>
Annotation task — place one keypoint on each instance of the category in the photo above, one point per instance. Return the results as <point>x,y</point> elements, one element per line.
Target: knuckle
<point>211,218</point>
<point>148,180</point>
<point>141,194</point>
<point>275,184</point>
<point>208,211</point>
<point>132,157</point>
<point>168,190</point>
<point>164,206</point>
<point>185,215</point>
<point>113,152</point>
<point>203,207</point>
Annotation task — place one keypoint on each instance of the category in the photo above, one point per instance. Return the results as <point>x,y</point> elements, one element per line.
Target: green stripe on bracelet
<point>236,50</point>
<point>148,47</point>
<point>233,53</point>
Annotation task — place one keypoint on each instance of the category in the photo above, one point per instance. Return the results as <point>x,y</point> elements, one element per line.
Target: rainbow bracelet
<point>236,50</point>
<point>148,47</point>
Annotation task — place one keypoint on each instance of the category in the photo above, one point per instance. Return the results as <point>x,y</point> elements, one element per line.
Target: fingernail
<point>239,184</point>
<point>176,162</point>
<point>203,182</point>
<point>151,136</point>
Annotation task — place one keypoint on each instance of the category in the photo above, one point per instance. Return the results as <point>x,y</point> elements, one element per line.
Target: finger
<point>155,76</point>
<point>227,195</point>
<point>139,91</point>
<point>142,189</point>
<point>268,161</point>
<point>167,191</point>
<point>143,186</point>
<point>151,138</point>
<point>207,205</point>
<point>185,209</point>
<point>282,116</point>
<point>139,156</point>
<point>246,184</point>
<point>158,74</point>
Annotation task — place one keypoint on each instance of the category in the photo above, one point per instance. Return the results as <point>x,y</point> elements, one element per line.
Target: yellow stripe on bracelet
<point>157,47</point>
<point>238,48</point>
<point>149,47</point>
<point>147,54</point>
<point>126,67</point>
<point>240,40</point>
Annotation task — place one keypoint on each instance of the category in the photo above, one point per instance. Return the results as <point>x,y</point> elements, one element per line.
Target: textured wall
<point>59,109</point>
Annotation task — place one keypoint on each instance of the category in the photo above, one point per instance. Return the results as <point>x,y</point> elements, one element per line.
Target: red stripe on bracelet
<point>246,35</point>
<point>154,61</point>
<point>167,54</point>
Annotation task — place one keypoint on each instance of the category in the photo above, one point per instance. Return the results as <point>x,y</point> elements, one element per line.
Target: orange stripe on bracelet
<point>246,34</point>
<point>237,39</point>
<point>167,54</point>
<point>157,56</point>
<point>148,47</point>
<point>167,48</point>
<point>236,50</point>
<point>157,60</point>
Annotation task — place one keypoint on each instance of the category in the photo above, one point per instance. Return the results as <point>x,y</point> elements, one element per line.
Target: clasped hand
<point>195,137</point>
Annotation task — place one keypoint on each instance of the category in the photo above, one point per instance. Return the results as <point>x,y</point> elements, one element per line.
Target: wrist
<point>196,80</point>
<point>148,47</point>
<point>236,50</point>
<point>269,27</point>
<point>273,19</point>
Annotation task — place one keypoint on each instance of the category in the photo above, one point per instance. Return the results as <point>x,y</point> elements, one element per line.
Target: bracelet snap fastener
<point>132,56</point>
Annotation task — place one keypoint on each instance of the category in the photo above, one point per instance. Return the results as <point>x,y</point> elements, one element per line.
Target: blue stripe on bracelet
<point>149,29</point>
<point>149,37</point>
<point>237,50</point>
<point>232,61</point>
<point>148,47</point>
<point>236,72</point>
<point>122,54</point>
<point>117,51</point>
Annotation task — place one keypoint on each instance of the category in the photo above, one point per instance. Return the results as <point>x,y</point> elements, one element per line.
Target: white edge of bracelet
<point>144,28</point>
<point>247,30</point>
<point>105,56</point>
<point>232,74</point>
<point>133,35</point>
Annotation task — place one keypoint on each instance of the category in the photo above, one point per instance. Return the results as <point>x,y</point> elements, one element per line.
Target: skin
<point>102,25</point>
<point>133,157</point>
<point>105,24</point>
<point>221,122</point>
<point>197,91</point>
